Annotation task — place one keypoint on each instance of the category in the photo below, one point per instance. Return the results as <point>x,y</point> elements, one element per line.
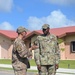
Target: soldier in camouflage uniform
<point>20,53</point>
<point>47,55</point>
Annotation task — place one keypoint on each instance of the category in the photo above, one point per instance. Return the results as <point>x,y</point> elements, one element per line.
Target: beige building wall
<point>5,50</point>
<point>0,51</point>
<point>62,50</point>
<point>65,48</point>
<point>6,47</point>
<point>10,51</point>
<point>68,53</point>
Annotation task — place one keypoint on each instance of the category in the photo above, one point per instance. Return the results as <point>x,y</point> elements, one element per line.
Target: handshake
<point>33,47</point>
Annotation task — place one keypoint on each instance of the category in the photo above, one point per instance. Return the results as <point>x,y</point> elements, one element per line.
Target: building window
<point>73,46</point>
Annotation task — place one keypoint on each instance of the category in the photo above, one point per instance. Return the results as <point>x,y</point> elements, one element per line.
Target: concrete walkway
<point>60,71</point>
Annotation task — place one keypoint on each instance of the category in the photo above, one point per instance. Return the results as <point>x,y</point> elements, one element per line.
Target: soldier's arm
<point>57,51</point>
<point>37,53</point>
<point>22,50</point>
<point>37,57</point>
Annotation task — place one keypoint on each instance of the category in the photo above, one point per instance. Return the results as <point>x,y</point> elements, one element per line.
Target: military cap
<point>45,26</point>
<point>21,29</point>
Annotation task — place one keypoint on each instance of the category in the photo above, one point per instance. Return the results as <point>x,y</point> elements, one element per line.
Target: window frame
<point>71,47</point>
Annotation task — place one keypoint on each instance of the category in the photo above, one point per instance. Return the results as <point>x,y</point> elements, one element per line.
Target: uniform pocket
<point>43,60</point>
<point>19,66</point>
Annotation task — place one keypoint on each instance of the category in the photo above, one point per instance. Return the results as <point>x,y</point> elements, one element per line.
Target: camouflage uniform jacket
<point>19,55</point>
<point>48,52</point>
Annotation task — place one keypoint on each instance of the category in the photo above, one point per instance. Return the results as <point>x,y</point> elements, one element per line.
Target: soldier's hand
<point>39,67</point>
<point>56,66</point>
<point>34,47</point>
<point>30,57</point>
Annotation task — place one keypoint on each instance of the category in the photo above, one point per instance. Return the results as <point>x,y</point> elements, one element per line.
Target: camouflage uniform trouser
<point>47,70</point>
<point>20,72</point>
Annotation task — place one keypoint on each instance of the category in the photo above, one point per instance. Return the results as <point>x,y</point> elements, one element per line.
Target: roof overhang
<point>32,34</point>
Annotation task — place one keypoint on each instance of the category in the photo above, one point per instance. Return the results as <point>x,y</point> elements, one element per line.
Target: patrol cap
<point>45,26</point>
<point>21,29</point>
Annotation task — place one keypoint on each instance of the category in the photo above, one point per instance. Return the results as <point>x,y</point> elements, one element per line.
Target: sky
<point>32,14</point>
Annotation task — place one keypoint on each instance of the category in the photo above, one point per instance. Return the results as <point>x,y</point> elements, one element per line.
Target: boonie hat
<point>45,26</point>
<point>21,29</point>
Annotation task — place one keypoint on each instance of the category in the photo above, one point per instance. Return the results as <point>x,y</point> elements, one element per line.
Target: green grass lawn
<point>67,64</point>
<point>32,62</point>
<point>5,61</point>
<point>63,63</point>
